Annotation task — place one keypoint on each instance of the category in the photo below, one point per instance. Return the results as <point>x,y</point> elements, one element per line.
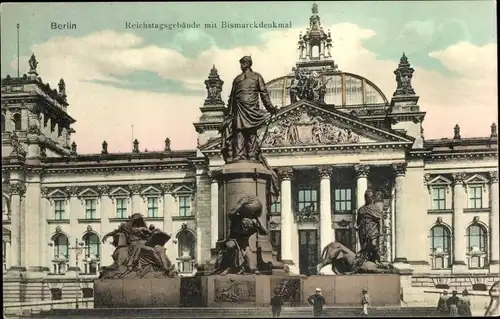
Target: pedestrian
<point>442,306</point>
<point>452,304</point>
<point>365,302</point>
<point>317,301</point>
<point>276,304</point>
<point>464,305</point>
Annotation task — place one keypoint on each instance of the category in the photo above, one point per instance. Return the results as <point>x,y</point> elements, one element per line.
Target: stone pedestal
<point>235,180</point>
<point>137,293</point>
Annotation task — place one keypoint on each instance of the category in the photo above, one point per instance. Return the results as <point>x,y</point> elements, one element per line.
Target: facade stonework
<point>328,145</point>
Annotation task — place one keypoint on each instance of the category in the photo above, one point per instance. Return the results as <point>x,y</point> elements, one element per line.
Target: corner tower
<point>34,116</point>
<point>212,110</point>
<point>404,112</point>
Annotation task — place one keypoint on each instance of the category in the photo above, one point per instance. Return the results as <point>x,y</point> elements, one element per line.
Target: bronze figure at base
<point>235,257</point>
<point>343,260</point>
<point>139,252</point>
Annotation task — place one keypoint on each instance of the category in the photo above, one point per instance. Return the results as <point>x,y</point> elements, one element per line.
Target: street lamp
<point>78,248</point>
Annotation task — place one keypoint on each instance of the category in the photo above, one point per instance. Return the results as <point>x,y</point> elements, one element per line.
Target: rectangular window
<point>152,206</point>
<point>59,209</point>
<point>91,209</point>
<point>343,200</point>
<point>308,199</point>
<point>185,206</point>
<point>476,197</point>
<point>121,208</point>
<point>276,207</point>
<point>439,198</point>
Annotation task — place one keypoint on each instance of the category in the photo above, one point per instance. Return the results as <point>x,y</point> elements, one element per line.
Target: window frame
<point>311,190</point>
<point>438,200</point>
<point>155,208</point>
<point>445,256</point>
<point>61,210</point>
<point>91,209</point>
<point>122,209</point>
<point>185,210</point>
<point>341,201</point>
<point>472,188</point>
<point>482,253</point>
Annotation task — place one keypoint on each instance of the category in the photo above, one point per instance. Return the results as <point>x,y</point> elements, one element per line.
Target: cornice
<point>326,148</point>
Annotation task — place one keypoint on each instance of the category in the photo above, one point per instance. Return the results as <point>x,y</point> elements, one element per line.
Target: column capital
<point>325,171</point>
<point>362,170</point>
<point>458,178</point>
<point>285,173</point>
<point>72,190</point>
<point>17,189</point>
<point>399,168</point>
<point>493,177</point>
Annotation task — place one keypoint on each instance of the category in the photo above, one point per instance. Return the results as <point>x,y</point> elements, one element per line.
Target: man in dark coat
<point>245,116</point>
<point>317,301</point>
<point>276,304</point>
<point>452,304</point>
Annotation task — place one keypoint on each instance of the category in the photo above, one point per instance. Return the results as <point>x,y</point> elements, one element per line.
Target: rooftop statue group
<point>139,251</point>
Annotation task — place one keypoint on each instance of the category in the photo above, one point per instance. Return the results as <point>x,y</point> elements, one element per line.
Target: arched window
<point>92,252</point>
<point>17,122</point>
<point>440,242</point>
<point>61,253</point>
<point>186,255</point>
<point>477,247</point>
<point>3,123</point>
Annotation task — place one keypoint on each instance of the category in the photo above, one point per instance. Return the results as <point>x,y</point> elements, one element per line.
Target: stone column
<point>459,224</point>
<point>17,191</point>
<point>401,217</point>
<point>107,211</point>
<point>327,235</point>
<point>32,225</point>
<point>76,211</point>
<point>494,223</point>
<point>362,172</point>
<point>135,190</point>
<point>286,174</point>
<point>214,212</point>
<point>168,226</point>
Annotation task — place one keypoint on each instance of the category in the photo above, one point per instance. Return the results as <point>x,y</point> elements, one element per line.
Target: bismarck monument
<point>243,266</point>
<point>246,183</point>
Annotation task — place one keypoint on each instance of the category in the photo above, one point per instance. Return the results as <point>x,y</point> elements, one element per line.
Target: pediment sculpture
<point>308,129</point>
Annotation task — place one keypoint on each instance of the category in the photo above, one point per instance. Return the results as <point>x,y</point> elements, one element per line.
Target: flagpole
<point>18,50</point>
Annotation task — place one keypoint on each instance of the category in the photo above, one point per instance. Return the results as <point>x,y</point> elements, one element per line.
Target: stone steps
<point>237,312</point>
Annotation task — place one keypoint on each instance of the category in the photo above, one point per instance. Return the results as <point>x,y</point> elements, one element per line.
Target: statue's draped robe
<point>369,217</point>
<point>244,115</point>
<point>244,106</point>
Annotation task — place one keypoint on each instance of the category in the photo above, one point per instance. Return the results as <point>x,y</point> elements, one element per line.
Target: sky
<point>153,79</point>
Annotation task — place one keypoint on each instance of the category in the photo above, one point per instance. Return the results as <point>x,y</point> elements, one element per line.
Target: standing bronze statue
<point>244,115</point>
<point>368,224</point>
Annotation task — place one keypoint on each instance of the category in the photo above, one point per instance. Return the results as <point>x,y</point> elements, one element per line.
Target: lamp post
<point>78,248</point>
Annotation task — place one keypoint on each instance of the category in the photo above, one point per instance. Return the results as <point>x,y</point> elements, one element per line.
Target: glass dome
<point>342,90</point>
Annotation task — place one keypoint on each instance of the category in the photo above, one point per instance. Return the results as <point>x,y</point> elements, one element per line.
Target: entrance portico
<point>318,205</point>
